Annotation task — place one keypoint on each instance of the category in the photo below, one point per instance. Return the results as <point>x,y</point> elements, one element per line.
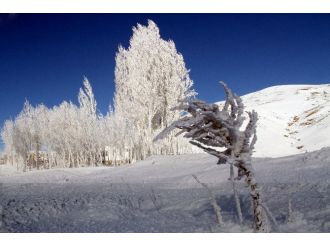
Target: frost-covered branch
<point>213,200</point>
<point>220,133</point>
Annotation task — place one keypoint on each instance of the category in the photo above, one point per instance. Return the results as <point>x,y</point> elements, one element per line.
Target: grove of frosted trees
<point>150,78</point>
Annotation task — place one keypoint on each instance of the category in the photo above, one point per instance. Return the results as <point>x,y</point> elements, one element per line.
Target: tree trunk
<point>237,202</point>
<point>260,222</point>
<point>12,158</point>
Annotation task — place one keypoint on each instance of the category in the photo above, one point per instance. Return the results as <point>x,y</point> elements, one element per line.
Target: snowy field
<point>160,195</point>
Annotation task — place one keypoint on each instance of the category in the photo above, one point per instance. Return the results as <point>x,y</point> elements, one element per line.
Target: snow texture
<point>159,194</point>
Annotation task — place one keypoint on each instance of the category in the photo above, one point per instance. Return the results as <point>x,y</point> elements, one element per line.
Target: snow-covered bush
<point>220,132</point>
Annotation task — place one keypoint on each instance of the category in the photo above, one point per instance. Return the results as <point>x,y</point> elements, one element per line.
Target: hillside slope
<point>293,119</point>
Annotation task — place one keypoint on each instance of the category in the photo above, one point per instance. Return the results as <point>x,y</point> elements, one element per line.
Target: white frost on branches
<point>86,98</point>
<point>150,78</point>
<point>220,132</point>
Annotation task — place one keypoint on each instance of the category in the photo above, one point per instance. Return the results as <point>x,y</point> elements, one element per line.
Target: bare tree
<point>220,132</point>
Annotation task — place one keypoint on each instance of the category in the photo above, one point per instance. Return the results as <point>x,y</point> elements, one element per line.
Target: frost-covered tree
<point>220,132</point>
<point>26,133</point>
<point>88,123</point>
<point>87,100</point>
<point>7,138</point>
<point>67,135</point>
<point>150,78</point>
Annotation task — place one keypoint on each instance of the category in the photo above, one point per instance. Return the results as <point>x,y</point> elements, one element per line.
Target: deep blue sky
<point>43,57</point>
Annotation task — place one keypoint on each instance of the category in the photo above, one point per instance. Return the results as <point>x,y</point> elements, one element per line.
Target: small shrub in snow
<point>220,132</point>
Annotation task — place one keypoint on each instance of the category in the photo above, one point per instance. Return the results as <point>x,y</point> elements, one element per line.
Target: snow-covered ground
<point>160,195</point>
<point>292,119</point>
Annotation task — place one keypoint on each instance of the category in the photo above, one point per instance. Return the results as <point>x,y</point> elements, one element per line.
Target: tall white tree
<point>87,100</point>
<point>88,123</point>
<point>150,78</point>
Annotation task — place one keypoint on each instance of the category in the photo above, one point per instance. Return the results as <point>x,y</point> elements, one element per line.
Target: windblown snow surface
<point>159,194</point>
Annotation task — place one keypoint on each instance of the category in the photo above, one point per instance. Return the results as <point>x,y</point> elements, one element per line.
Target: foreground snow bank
<point>160,195</point>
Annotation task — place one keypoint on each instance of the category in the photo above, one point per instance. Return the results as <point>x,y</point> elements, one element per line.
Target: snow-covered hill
<point>293,119</point>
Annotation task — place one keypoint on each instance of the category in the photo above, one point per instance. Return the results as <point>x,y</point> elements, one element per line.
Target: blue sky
<point>43,57</point>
